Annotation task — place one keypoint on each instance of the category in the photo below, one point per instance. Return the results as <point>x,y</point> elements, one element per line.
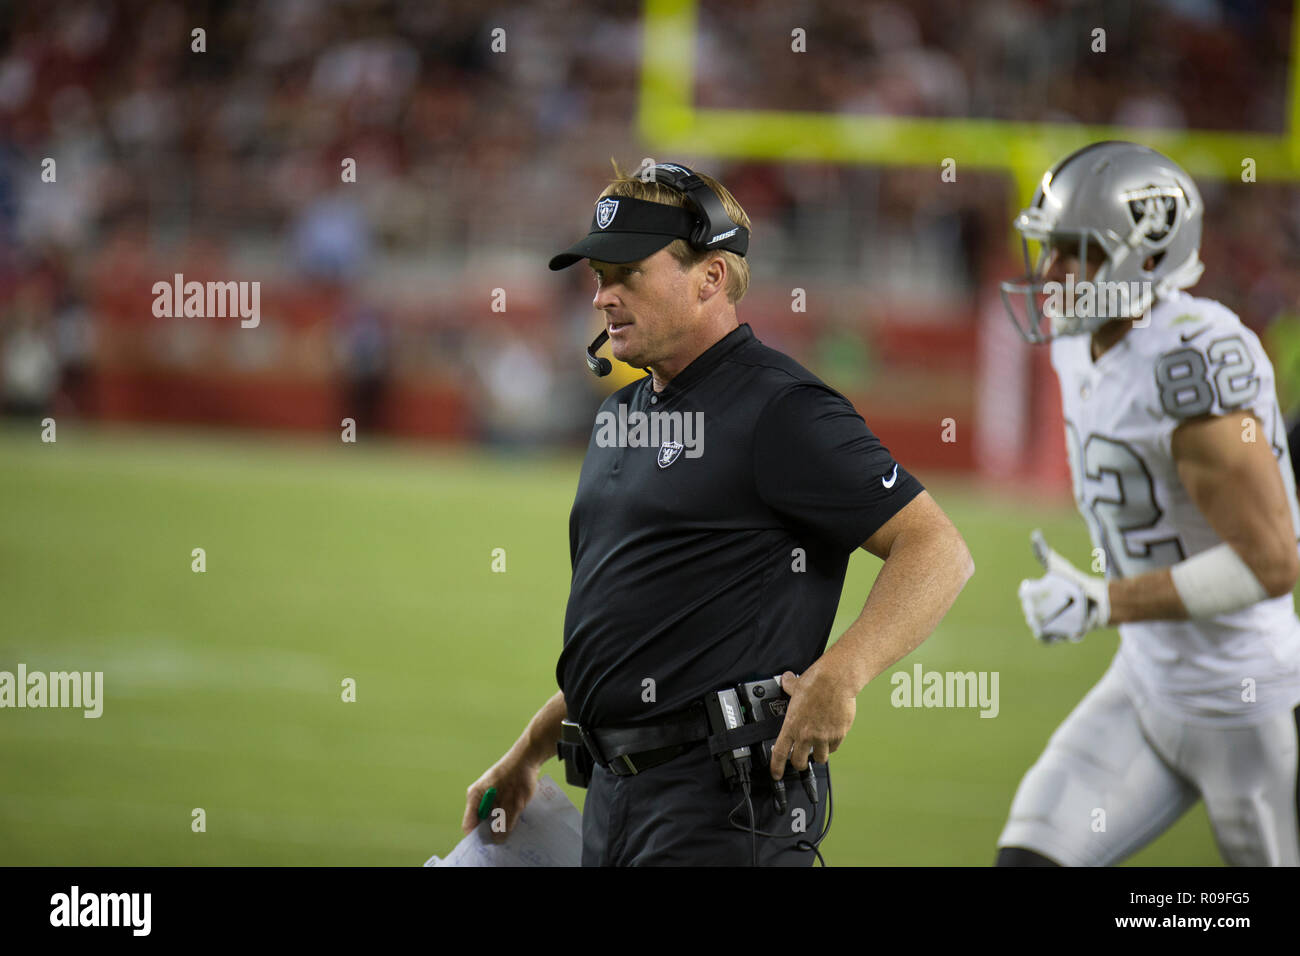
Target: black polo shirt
<point>710,547</point>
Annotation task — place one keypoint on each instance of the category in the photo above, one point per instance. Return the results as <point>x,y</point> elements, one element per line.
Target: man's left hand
<point>817,719</point>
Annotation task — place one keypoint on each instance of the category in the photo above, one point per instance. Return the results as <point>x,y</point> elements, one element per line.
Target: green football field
<point>324,561</point>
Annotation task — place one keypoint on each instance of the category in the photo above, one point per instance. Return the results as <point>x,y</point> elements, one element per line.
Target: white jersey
<point>1194,358</point>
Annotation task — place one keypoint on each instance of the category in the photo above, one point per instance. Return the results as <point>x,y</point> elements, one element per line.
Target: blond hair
<point>632,186</point>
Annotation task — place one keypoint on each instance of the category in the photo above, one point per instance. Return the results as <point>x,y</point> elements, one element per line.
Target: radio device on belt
<point>751,714</point>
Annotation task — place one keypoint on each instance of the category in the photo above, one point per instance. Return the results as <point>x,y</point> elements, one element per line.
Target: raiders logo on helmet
<point>1157,206</point>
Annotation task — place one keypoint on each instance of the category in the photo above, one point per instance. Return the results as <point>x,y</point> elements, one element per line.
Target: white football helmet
<point>1133,204</point>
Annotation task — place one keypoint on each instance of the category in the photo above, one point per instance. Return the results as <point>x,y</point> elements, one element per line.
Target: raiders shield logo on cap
<point>605,210</point>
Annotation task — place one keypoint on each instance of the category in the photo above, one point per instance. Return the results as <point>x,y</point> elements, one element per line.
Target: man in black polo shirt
<point>720,499</point>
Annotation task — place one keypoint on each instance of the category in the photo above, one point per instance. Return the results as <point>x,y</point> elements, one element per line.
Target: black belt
<point>627,751</point>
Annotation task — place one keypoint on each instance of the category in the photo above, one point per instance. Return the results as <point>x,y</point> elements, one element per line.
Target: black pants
<point>676,815</point>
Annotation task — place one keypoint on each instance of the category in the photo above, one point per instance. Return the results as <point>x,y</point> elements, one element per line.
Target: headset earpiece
<point>715,229</point>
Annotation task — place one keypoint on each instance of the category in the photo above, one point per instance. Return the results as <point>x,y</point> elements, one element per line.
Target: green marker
<point>485,805</point>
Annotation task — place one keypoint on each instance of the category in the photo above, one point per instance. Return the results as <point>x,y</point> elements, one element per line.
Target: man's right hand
<point>516,781</point>
<point>1065,603</point>
<point>515,774</point>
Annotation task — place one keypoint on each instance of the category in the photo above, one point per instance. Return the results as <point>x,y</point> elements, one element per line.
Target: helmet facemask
<point>1081,304</point>
<point>1042,309</point>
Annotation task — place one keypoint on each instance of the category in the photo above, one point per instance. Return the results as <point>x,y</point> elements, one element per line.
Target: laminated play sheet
<point>548,833</point>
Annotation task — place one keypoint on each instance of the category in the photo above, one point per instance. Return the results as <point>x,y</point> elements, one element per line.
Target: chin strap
<point>1184,276</point>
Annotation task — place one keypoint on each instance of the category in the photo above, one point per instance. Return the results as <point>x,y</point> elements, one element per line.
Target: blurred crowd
<point>1205,64</point>
<point>482,132</point>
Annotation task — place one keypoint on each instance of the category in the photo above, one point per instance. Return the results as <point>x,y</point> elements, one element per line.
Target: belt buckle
<point>589,738</point>
<point>593,748</point>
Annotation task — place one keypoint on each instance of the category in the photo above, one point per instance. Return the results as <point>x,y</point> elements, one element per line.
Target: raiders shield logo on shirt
<point>668,453</point>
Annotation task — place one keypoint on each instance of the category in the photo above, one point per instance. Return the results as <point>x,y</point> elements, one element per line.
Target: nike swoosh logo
<point>892,478</point>
<point>1188,338</point>
<point>1068,604</point>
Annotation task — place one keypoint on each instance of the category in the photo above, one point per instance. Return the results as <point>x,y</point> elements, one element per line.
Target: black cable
<point>742,769</point>
<point>826,827</point>
<point>753,828</point>
<point>804,845</point>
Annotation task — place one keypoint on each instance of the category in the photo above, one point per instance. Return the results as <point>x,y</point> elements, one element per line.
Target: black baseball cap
<point>624,229</point>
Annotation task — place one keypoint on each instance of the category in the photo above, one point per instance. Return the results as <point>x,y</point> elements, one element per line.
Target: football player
<point>1179,459</point>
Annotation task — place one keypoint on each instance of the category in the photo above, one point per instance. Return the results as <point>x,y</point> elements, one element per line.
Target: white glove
<point>1065,603</point>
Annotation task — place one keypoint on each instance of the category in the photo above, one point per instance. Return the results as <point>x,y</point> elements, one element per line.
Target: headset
<point>713,229</point>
